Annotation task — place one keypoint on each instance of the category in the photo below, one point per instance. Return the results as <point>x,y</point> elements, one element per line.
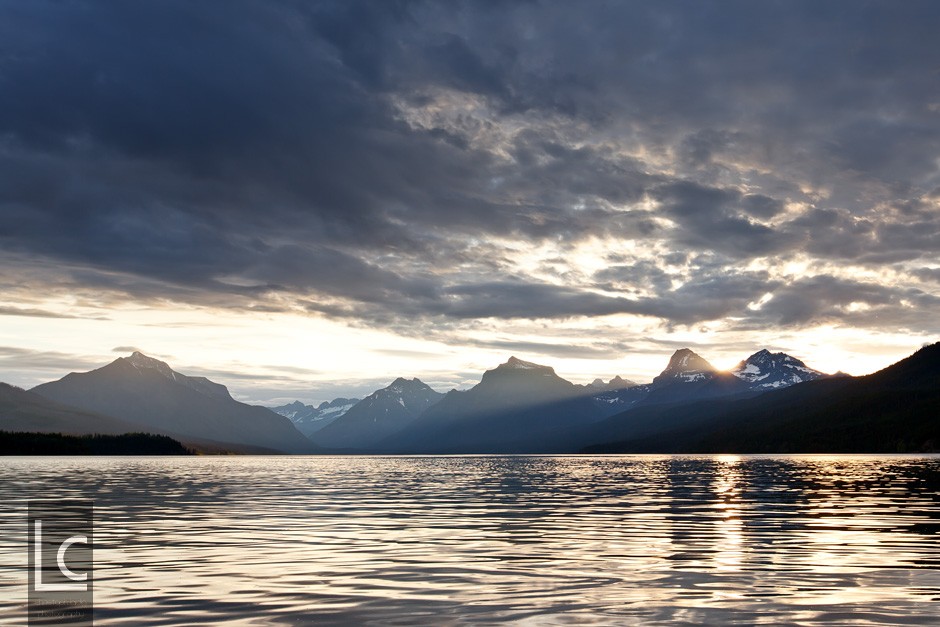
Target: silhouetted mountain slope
<point>309,419</point>
<point>149,393</point>
<point>612,402</point>
<point>379,415</point>
<point>22,411</point>
<point>517,407</point>
<point>614,396</point>
<point>892,410</point>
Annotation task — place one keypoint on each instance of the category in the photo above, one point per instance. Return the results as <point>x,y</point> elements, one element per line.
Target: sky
<point>305,200</point>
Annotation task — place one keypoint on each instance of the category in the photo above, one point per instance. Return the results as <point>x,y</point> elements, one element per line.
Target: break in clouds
<point>426,166</point>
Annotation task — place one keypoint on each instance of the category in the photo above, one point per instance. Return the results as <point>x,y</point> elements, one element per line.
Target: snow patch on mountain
<point>519,364</point>
<point>143,362</point>
<point>309,419</point>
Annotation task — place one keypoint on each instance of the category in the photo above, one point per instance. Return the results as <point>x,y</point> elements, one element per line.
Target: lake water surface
<point>463,540</point>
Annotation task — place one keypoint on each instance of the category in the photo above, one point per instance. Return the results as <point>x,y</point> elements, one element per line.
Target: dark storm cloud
<point>828,299</point>
<point>928,274</point>
<point>366,159</point>
<point>638,275</point>
<point>707,298</point>
<point>712,218</point>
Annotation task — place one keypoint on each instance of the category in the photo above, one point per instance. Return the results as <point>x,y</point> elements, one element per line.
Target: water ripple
<point>800,540</point>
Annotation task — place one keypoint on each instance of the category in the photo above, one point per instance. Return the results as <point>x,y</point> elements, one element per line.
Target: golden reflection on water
<point>729,526</point>
<point>540,540</point>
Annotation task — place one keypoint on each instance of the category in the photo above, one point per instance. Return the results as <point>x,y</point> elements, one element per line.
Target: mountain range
<point>894,410</point>
<point>769,401</point>
<point>516,407</point>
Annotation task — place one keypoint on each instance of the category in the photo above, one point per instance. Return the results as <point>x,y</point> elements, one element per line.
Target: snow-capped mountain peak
<point>765,370</point>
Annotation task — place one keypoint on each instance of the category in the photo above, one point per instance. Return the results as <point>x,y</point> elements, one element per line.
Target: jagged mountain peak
<point>402,384</point>
<point>402,391</point>
<point>515,370</point>
<point>764,355</point>
<point>141,361</point>
<point>336,402</point>
<point>765,370</point>
<point>685,366</point>
<point>379,414</point>
<point>617,383</point>
<point>515,362</point>
<point>687,360</point>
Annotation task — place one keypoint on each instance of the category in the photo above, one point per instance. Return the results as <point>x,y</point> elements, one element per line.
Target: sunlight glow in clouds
<point>282,357</point>
<point>310,200</point>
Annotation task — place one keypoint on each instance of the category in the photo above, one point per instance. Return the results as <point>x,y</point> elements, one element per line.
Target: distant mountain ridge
<point>147,392</point>
<point>521,405</point>
<point>382,413</point>
<point>516,404</point>
<point>309,419</point>
<point>517,407</point>
<point>617,383</point>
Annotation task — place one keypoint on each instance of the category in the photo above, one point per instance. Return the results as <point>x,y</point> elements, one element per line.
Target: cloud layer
<point>421,167</point>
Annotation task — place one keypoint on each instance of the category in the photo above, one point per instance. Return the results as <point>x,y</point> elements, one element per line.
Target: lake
<point>539,540</point>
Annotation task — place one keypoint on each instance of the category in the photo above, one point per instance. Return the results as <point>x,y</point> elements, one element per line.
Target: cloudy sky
<point>307,199</point>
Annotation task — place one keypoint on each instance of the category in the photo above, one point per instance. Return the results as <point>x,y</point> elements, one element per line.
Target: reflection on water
<point>469,540</point>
